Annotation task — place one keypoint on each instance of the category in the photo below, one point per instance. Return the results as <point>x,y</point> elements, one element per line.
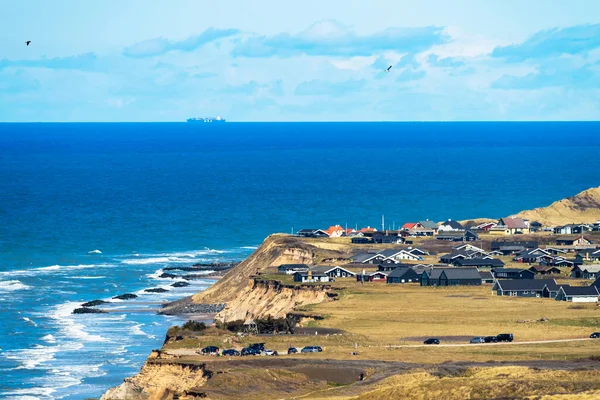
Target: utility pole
<point>382,222</point>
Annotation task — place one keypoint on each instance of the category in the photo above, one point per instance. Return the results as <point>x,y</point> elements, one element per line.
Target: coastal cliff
<point>158,381</point>
<point>260,299</point>
<point>583,207</point>
<point>277,249</point>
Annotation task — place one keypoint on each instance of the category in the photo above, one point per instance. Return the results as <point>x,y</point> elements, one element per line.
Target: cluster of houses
<point>467,265</point>
<point>454,231</point>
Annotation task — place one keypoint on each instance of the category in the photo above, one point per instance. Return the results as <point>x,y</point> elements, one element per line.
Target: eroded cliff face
<point>260,299</point>
<point>160,382</point>
<point>275,250</point>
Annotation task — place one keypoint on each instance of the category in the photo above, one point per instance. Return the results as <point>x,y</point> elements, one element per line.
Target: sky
<point>264,60</point>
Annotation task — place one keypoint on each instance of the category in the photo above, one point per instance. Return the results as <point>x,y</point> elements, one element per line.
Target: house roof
<point>409,225</point>
<point>591,268</point>
<point>453,224</point>
<point>323,269</point>
<point>390,252</point>
<point>543,268</point>
<point>368,229</point>
<point>486,275</point>
<point>427,224</point>
<point>407,273</point>
<point>580,290</point>
<point>476,262</point>
<point>308,230</point>
<point>510,270</point>
<point>526,284</point>
<point>514,223</point>
<point>315,275</point>
<point>454,273</point>
<point>334,228</point>
<point>293,266</point>
<point>362,257</point>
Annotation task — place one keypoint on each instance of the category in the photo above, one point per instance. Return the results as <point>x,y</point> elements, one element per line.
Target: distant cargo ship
<point>209,119</point>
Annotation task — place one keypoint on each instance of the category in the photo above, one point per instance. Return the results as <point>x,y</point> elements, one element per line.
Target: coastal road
<point>192,352</point>
<point>488,344</point>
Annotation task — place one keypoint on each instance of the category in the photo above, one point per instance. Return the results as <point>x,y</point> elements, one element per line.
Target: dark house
<point>312,233</point>
<point>361,240</point>
<point>545,270</point>
<point>290,269</point>
<point>512,247</point>
<point>392,267</point>
<point>486,277</point>
<point>530,255</point>
<point>579,294</point>
<point>586,271</point>
<point>526,287</point>
<point>377,276</point>
<point>458,236</point>
<point>403,275</point>
<point>479,263</point>
<point>512,273</point>
<point>367,258</point>
<point>573,241</point>
<point>379,237</point>
<point>333,272</point>
<point>535,226</point>
<point>588,254</point>
<point>451,277</point>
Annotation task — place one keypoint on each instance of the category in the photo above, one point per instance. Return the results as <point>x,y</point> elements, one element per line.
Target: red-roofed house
<point>368,229</point>
<point>409,225</point>
<point>335,231</point>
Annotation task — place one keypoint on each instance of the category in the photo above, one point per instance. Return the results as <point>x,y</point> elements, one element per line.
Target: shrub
<point>194,326</point>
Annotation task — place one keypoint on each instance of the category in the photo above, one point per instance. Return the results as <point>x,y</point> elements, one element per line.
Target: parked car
<point>491,339</point>
<point>270,353</point>
<point>248,351</point>
<point>230,352</point>
<point>292,350</point>
<point>432,341</point>
<point>312,349</point>
<point>477,340</point>
<point>210,350</point>
<point>595,335</point>
<point>505,337</point>
<point>258,346</point>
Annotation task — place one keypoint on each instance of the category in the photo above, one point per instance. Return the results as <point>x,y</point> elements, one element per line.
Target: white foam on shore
<point>13,285</point>
<point>52,269</point>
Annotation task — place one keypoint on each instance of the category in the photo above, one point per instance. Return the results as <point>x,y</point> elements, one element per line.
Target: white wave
<point>94,252</point>
<point>13,285</point>
<point>88,277</point>
<point>156,274</point>
<point>51,269</point>
<point>49,338</point>
<point>249,247</point>
<point>69,326</point>
<point>29,321</point>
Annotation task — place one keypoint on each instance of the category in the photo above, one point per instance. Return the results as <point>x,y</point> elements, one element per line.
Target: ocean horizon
<point>93,210</point>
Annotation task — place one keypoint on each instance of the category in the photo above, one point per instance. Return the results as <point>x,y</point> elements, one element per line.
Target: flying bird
<point>27,42</point>
<point>388,69</point>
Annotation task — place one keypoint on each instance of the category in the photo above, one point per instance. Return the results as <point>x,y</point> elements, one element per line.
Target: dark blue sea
<point>90,211</point>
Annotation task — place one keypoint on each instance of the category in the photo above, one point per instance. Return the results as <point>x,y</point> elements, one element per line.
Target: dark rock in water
<point>219,266</point>
<point>167,275</point>
<point>86,310</point>
<point>180,284</point>
<point>156,290</point>
<point>126,296</point>
<point>94,303</point>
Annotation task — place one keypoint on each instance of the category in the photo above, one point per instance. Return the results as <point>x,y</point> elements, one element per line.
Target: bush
<point>194,326</point>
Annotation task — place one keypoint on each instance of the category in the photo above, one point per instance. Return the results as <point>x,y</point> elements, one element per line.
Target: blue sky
<point>262,60</point>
